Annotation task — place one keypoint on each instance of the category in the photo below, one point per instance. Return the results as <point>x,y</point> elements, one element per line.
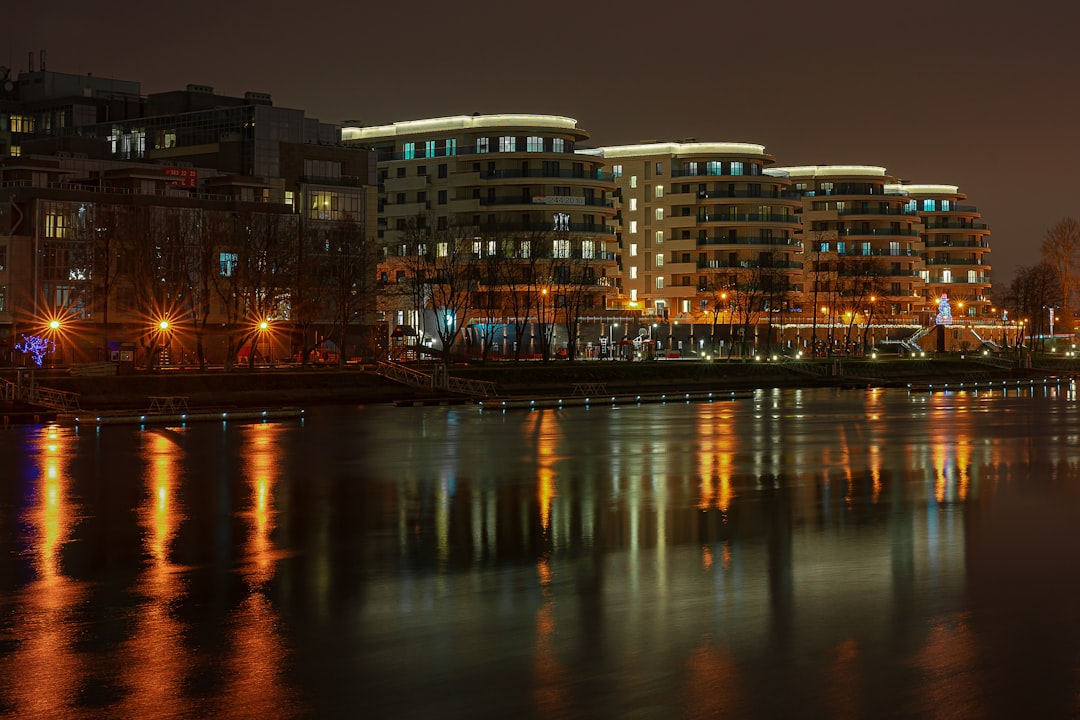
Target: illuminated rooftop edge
<point>674,148</point>
<point>928,189</point>
<point>456,122</point>
<point>833,170</point>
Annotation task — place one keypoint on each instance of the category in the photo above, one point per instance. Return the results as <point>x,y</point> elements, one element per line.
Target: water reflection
<point>157,662</point>
<point>817,554</point>
<point>41,677</point>
<point>256,685</point>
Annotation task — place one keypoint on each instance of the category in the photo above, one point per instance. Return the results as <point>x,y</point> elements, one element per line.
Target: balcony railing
<point>776,194</point>
<point>874,211</point>
<point>931,225</point>
<point>594,202</point>
<point>932,243</point>
<point>541,173</point>
<point>748,240</point>
<point>966,261</point>
<point>750,218</point>
<point>877,232</point>
<point>724,264</point>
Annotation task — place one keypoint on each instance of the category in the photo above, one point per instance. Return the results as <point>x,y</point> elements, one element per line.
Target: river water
<point>825,553</point>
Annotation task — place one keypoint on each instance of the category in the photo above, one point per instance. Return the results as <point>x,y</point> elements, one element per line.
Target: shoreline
<point>293,387</point>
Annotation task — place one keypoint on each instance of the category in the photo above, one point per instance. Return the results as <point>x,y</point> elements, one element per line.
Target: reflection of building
<point>699,219</point>
<point>511,186</point>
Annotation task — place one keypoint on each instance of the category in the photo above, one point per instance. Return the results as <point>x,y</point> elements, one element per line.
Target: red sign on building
<point>186,177</point>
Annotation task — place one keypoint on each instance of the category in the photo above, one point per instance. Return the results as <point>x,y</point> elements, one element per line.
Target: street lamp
<point>164,328</point>
<point>263,327</point>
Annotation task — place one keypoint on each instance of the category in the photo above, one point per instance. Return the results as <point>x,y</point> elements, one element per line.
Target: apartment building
<point>510,187</point>
<point>955,249</point>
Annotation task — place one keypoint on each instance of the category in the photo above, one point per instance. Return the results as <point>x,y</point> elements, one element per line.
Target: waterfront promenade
<point>277,387</point>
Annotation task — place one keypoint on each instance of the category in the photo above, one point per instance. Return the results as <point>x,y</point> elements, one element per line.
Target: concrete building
<point>956,249</point>
<point>709,233</point>
<point>510,187</point>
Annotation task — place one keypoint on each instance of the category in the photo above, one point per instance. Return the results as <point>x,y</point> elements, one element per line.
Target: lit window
<point>633,204</point>
<point>588,249</point>
<point>633,181</point>
<point>633,295</point>
<point>526,248</point>
<point>633,249</point>
<point>714,167</point>
<point>633,272</point>
<point>616,171</point>
<point>928,205</point>
<point>659,191</point>
<point>507,143</point>
<point>534,144</point>
<point>659,213</point>
<point>3,298</point>
<point>408,151</point>
<point>659,260</point>
<point>289,197</point>
<point>451,146</point>
<point>483,145</point>
<point>633,227</point>
<point>16,151</point>
<point>442,249</point>
<point>686,306</point>
<point>429,148</point>
<point>561,249</point>
<point>558,145</point>
<point>227,263</point>
<point>659,237</point>
<point>946,276</point>
<point>945,205</point>
<point>736,168</point>
<point>659,282</point>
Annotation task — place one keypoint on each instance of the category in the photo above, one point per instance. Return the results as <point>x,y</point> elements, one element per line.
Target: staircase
<point>439,379</point>
<point>911,343</point>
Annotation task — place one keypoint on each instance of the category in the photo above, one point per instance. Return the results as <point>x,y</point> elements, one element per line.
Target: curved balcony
<point>561,174</point>
<point>954,261</point>
<point>875,212</point>
<point>931,225</point>
<point>776,194</point>
<point>751,218</point>
<point>748,240</point>
<point>551,200</point>
<point>933,243</point>
<point>726,265</point>
<point>877,232</point>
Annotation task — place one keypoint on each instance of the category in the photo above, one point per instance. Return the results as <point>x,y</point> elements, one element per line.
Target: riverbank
<point>277,387</point>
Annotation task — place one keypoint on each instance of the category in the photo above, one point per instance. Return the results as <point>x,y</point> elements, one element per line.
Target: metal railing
<point>37,395</point>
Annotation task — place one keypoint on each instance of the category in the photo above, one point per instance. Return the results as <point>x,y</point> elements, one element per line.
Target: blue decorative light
<point>36,347</point>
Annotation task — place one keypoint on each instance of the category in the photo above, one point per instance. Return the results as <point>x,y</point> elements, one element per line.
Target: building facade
<point>494,191</point>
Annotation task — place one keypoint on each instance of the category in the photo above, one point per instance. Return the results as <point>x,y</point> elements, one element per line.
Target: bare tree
<point>1061,250</point>
<point>1034,289</point>
<point>442,267</point>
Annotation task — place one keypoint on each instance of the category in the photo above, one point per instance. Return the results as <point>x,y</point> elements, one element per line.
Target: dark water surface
<point>810,554</point>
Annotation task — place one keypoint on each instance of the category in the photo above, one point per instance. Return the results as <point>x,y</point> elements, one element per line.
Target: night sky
<point>981,95</point>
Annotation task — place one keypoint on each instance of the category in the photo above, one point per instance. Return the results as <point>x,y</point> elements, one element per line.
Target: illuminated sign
<point>186,177</point>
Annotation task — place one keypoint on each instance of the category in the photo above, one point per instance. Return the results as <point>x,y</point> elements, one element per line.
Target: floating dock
<point>159,418</point>
<point>608,400</point>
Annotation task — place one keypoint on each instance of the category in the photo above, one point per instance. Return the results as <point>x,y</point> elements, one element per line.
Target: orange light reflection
<point>43,676</point>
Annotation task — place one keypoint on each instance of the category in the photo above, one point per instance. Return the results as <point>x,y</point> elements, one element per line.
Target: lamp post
<point>164,327</point>
<point>263,327</point>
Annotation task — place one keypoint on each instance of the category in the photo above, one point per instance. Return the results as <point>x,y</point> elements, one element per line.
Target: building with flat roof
<point>512,191</point>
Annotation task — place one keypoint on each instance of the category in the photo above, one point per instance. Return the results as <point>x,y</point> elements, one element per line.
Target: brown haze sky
<point>984,95</point>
